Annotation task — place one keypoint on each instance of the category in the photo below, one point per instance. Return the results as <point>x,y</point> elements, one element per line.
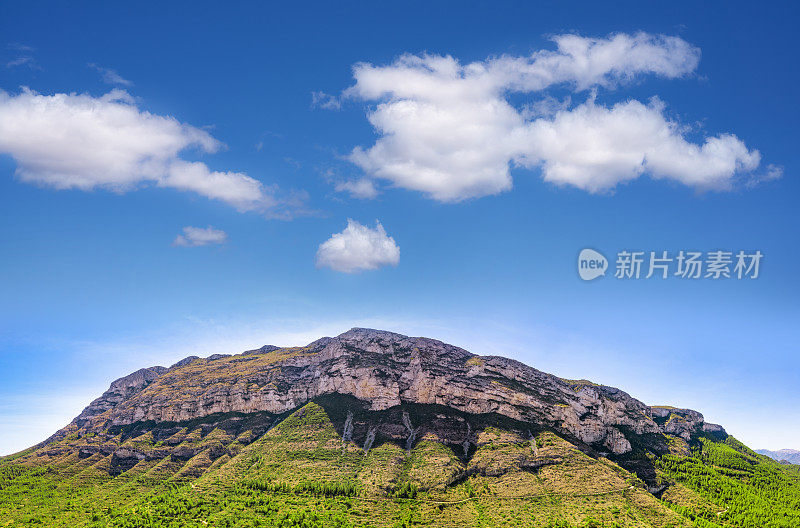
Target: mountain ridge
<point>791,456</point>
<point>376,429</point>
<point>386,369</point>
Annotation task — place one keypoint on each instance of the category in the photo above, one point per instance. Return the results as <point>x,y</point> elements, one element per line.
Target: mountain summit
<point>380,416</point>
<point>384,370</point>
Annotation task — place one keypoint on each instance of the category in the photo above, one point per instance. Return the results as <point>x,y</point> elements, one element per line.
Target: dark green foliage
<point>406,491</point>
<point>751,492</point>
<point>322,489</point>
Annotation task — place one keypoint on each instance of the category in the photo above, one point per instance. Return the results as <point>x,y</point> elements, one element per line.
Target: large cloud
<point>358,248</point>
<point>76,141</point>
<point>595,148</point>
<point>452,132</point>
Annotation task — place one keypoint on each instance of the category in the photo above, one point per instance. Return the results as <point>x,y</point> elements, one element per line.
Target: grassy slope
<point>300,473</point>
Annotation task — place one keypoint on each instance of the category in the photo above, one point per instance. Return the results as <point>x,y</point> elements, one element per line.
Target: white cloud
<point>358,248</point>
<point>236,188</point>
<point>363,188</point>
<point>199,236</point>
<point>110,76</point>
<point>450,131</point>
<point>76,141</point>
<point>587,62</point>
<point>595,148</point>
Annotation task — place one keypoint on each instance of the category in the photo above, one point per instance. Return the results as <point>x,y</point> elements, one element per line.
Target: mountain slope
<point>377,429</point>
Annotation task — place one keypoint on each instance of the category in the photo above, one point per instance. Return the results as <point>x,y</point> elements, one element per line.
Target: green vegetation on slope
<point>302,474</point>
<point>737,486</point>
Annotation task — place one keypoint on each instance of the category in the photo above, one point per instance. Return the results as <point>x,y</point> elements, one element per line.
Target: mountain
<point>792,456</point>
<point>374,428</point>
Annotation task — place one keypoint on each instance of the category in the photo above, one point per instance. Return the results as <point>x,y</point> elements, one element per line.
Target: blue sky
<point>248,128</point>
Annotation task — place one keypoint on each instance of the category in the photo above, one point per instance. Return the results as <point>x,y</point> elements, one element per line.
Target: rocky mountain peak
<point>120,391</point>
<point>383,371</point>
<point>398,345</point>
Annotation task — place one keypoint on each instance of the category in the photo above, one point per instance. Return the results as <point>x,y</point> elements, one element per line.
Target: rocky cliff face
<point>120,391</point>
<point>385,371</point>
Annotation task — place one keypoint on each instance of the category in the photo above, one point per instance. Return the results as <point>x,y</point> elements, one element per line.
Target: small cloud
<point>358,248</point>
<point>20,61</point>
<point>773,172</point>
<point>24,56</point>
<point>20,47</point>
<point>363,188</point>
<point>110,76</point>
<point>199,236</point>
<point>325,101</point>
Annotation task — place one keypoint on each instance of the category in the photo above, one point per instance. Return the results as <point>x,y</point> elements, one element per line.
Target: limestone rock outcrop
<point>386,370</point>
